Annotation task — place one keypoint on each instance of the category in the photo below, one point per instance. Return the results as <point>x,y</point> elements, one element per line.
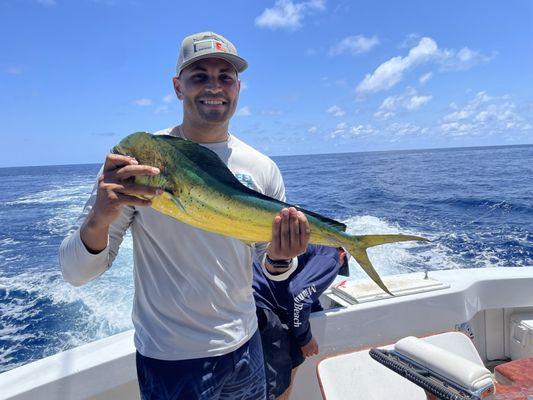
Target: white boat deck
<point>106,369</point>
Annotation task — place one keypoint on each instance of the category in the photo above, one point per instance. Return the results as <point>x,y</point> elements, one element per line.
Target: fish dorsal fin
<point>328,221</point>
<point>211,164</point>
<point>203,158</point>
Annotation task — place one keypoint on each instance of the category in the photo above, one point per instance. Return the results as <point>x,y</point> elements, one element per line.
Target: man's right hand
<point>115,189</point>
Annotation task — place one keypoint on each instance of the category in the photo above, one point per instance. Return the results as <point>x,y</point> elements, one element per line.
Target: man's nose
<point>213,84</point>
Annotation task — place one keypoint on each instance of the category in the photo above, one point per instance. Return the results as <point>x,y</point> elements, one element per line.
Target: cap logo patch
<point>210,44</point>
<point>221,47</point>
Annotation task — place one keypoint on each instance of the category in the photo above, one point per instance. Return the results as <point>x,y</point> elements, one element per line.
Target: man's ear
<point>177,89</point>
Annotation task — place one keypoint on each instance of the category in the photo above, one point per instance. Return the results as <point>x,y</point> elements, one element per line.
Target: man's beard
<point>215,115</point>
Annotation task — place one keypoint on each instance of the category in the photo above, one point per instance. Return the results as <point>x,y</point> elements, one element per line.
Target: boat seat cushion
<point>357,376</point>
<point>468,374</point>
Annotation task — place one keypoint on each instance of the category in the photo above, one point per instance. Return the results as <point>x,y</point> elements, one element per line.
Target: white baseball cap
<point>208,45</point>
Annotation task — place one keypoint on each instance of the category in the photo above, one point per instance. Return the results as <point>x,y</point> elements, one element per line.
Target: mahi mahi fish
<point>199,190</point>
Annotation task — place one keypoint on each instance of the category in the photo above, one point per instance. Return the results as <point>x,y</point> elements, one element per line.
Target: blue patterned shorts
<point>238,375</point>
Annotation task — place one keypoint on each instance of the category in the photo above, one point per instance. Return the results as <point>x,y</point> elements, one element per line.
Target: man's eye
<point>226,78</point>
<point>199,77</point>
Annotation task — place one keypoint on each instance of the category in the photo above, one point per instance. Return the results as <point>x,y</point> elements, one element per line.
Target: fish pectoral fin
<point>177,202</point>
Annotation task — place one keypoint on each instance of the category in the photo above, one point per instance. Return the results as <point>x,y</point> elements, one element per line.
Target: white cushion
<point>466,373</point>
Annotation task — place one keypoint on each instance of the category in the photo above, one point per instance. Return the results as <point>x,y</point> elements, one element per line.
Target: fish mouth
<point>118,150</point>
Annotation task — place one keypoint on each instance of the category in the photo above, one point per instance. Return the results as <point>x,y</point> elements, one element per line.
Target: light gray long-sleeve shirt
<point>193,288</point>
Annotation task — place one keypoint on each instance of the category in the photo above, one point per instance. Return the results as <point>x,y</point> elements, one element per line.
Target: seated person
<point>283,308</point>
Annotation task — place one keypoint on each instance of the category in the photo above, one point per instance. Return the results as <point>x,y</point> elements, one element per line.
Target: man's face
<point>209,89</point>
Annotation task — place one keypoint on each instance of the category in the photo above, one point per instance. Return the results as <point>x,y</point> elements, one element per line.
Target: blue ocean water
<point>476,204</point>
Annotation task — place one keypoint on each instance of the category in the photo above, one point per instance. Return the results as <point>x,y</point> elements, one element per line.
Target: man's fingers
<point>294,225</point>
<point>113,161</point>
<point>305,230</point>
<point>276,228</point>
<point>125,199</point>
<point>129,171</point>
<point>131,189</point>
<point>285,231</point>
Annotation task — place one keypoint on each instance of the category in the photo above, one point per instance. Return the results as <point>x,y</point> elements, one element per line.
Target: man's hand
<point>310,349</point>
<point>115,189</point>
<point>290,235</point>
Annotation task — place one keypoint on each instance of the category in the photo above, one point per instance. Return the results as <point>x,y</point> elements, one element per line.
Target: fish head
<point>146,149</point>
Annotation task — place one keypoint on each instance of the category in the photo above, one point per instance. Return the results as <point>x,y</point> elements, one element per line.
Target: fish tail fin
<point>359,244</point>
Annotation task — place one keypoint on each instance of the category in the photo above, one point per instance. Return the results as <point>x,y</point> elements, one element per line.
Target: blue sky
<point>324,76</point>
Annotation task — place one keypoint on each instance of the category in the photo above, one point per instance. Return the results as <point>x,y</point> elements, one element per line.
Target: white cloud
<point>244,86</point>
<point>354,45</point>
<point>362,130</point>
<point>392,71</point>
<point>410,40</point>
<point>409,101</point>
<point>312,129</point>
<point>382,114</point>
<point>415,102</point>
<point>336,111</point>
<point>403,129</point>
<point>143,102</point>
<point>468,110</point>
<point>344,131</point>
<point>287,14</point>
<point>425,78</point>
<point>243,112</point>
<point>169,98</point>
<point>463,59</point>
<point>484,115</point>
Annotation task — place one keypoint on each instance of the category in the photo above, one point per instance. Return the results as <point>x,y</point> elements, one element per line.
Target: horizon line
<point>318,154</point>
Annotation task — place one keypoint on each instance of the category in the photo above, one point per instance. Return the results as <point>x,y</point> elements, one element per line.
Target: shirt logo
<point>246,180</point>
<point>298,306</point>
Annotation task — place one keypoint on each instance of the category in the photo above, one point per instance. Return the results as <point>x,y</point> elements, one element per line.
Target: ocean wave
<point>454,250</point>
<point>394,258</point>
<point>41,314</point>
<point>72,193</point>
<point>490,205</point>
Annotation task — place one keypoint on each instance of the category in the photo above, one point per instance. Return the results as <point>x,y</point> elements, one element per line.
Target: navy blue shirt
<point>294,299</point>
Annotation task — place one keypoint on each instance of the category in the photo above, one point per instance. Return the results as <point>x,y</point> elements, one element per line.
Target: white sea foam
<point>73,192</point>
<point>8,242</point>
<point>109,298</point>
<point>107,305</point>
<point>396,258</point>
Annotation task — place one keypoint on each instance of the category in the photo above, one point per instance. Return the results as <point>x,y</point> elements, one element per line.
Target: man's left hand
<point>290,234</point>
<point>310,349</point>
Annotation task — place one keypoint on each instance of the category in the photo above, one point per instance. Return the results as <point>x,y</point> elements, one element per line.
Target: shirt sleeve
<point>78,265</point>
<point>305,289</point>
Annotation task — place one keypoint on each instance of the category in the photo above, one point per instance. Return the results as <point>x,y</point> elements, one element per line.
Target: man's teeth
<point>213,102</point>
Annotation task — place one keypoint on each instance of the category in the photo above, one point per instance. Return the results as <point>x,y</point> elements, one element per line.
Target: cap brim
<point>240,64</point>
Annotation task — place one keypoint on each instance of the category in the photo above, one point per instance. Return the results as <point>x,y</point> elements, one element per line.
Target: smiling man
<point>193,312</point>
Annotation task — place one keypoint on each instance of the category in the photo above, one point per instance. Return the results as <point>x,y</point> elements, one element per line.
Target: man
<point>193,311</point>
<point>284,302</point>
